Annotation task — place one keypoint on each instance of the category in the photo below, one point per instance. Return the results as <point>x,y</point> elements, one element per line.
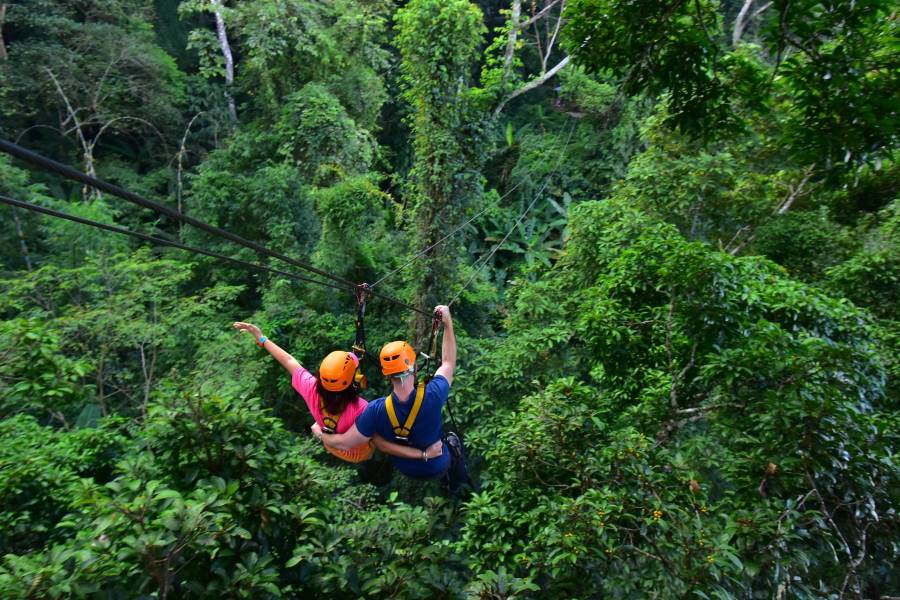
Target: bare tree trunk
<point>226,53</point>
<point>22,243</point>
<point>147,370</point>
<point>100,380</point>
<point>2,21</point>
<point>740,22</point>
<point>86,147</point>
<point>511,41</point>
<point>179,183</point>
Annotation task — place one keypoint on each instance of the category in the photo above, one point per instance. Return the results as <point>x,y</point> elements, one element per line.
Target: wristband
<point>424,456</point>
<point>261,341</point>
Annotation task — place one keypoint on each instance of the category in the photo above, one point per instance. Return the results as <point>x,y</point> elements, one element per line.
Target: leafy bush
<point>41,472</point>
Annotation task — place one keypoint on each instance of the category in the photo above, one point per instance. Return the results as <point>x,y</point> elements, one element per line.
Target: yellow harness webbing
<point>402,433</point>
<point>329,420</point>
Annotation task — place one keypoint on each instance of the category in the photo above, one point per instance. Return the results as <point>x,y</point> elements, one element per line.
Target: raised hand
<point>443,312</point>
<point>249,328</point>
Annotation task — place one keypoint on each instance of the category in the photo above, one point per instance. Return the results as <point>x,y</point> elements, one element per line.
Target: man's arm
<point>340,441</point>
<point>353,438</point>
<point>448,346</point>
<point>284,359</point>
<point>432,451</point>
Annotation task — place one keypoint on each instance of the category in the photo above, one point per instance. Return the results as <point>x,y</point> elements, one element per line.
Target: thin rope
<point>150,238</point>
<point>484,260</point>
<point>446,237</point>
<point>99,184</point>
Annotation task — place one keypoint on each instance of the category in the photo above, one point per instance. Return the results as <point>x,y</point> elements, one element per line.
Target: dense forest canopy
<point>669,232</point>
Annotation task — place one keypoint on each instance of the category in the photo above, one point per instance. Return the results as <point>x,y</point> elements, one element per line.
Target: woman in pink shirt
<point>333,400</point>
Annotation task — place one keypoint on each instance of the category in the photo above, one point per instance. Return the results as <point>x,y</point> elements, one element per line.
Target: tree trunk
<point>222,34</point>
<point>740,22</point>
<point>22,243</point>
<point>2,21</point>
<point>511,41</point>
<point>435,268</point>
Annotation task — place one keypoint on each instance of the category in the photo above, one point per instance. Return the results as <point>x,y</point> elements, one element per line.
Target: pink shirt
<point>305,384</point>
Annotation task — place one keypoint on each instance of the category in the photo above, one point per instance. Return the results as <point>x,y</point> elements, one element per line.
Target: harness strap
<point>329,420</point>
<point>402,433</point>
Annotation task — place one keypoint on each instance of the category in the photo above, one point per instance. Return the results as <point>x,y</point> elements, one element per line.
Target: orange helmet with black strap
<point>337,370</point>
<point>397,358</point>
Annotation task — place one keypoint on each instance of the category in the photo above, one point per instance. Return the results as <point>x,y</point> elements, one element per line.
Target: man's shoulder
<point>438,385</point>
<point>439,381</point>
<point>376,404</point>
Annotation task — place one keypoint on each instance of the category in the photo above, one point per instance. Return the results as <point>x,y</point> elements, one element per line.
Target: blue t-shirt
<point>425,431</point>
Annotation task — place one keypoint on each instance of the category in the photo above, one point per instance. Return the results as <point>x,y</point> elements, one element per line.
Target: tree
<point>718,421</point>
<point>831,64</point>
<point>436,72</point>
<point>103,67</point>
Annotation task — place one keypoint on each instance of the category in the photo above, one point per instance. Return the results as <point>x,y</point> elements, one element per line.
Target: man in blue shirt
<point>411,414</point>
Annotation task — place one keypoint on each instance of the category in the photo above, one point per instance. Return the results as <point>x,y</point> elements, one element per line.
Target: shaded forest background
<point>677,300</point>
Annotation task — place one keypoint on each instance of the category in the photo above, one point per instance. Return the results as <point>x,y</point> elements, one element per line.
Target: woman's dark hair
<point>336,402</point>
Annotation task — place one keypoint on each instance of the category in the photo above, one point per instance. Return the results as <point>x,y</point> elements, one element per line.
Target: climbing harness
<point>329,421</point>
<point>403,432</point>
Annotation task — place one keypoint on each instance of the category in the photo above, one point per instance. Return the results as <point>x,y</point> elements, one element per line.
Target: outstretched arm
<point>284,359</point>
<point>448,347</point>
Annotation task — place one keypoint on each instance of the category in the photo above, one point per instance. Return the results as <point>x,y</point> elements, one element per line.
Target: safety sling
<point>329,421</point>
<point>402,433</point>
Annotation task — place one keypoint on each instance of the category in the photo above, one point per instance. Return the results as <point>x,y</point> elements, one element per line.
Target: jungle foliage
<point>676,283</point>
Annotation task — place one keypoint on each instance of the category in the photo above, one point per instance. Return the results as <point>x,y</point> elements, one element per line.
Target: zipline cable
<point>157,240</point>
<point>484,261</point>
<point>446,237</point>
<point>70,173</point>
<point>75,175</point>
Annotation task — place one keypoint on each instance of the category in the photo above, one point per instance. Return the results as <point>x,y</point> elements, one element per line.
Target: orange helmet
<point>337,370</point>
<point>397,358</point>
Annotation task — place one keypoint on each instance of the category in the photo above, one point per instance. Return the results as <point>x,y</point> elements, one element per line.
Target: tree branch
<point>538,15</point>
<point>179,185</point>
<point>87,149</point>
<point>534,83</point>
<point>795,192</point>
